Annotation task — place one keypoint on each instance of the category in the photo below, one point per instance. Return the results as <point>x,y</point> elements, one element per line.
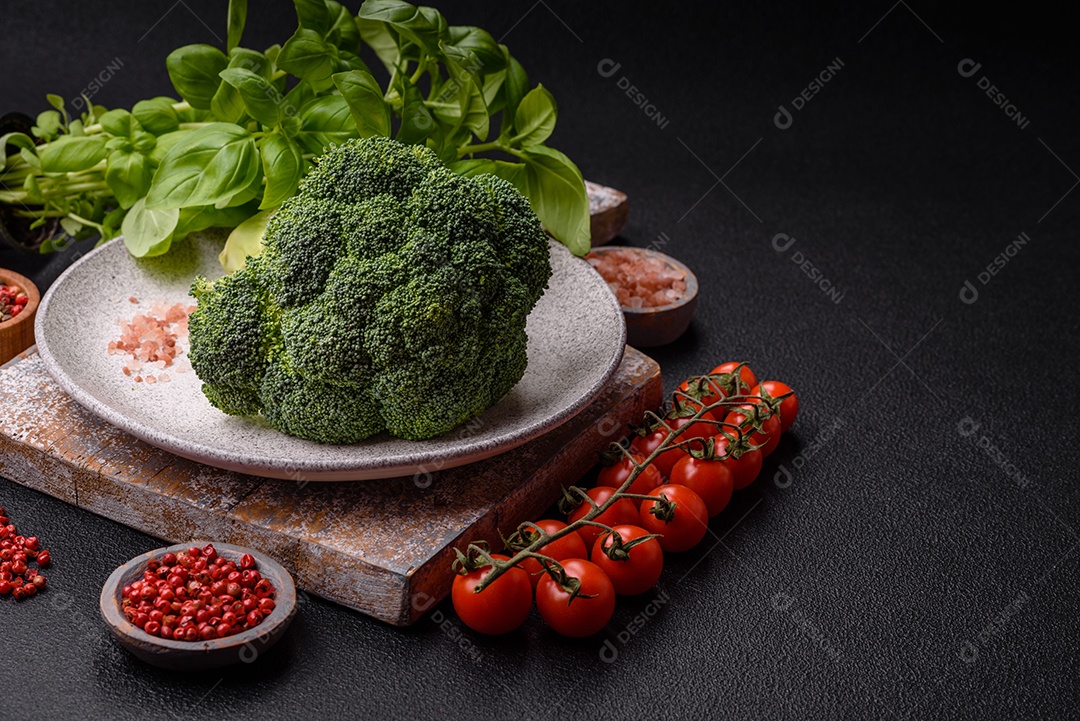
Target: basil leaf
<point>324,120</point>
<point>407,20</point>
<point>261,99</point>
<point>511,172</point>
<point>283,166</point>
<point>557,193</point>
<point>312,15</point>
<point>534,119</point>
<point>22,141</point>
<point>477,119</point>
<point>349,61</point>
<point>47,125</point>
<point>515,86</point>
<point>493,98</point>
<point>246,194</point>
<point>164,144</point>
<point>148,232</point>
<point>378,36</point>
<point>128,175</point>
<point>237,20</point>
<point>117,122</point>
<point>201,217</point>
<point>297,98</point>
<point>227,105</point>
<point>194,70</point>
<point>246,241</point>
<point>365,98</point>
<point>307,56</point>
<point>68,154</point>
<point>156,116</point>
<point>209,165</point>
<point>479,42</point>
<point>417,123</point>
<point>343,31</point>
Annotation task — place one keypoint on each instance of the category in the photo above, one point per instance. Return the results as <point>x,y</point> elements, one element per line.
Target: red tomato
<point>688,525</point>
<point>569,546</point>
<point>614,476</point>
<point>645,445</point>
<point>622,511</point>
<point>745,468</point>
<point>639,570</point>
<point>746,381</point>
<point>789,407</point>
<point>769,435</point>
<point>582,616</point>
<point>499,608</point>
<point>697,430</point>
<point>712,480</point>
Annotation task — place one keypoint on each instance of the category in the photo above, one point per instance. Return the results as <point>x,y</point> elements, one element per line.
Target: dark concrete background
<point>909,552</point>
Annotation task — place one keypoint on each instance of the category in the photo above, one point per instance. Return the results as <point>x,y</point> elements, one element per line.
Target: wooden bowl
<point>243,647</point>
<point>650,327</point>
<point>17,334</point>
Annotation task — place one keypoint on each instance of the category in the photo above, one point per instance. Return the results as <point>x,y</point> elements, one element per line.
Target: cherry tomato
<point>697,430</point>
<point>639,570</point>
<point>712,480</point>
<point>499,608</point>
<point>745,468</point>
<point>645,445</point>
<point>687,526</point>
<point>769,435</point>
<point>622,511</point>
<point>615,475</point>
<point>789,407</point>
<point>582,616</point>
<point>746,381</point>
<point>569,546</point>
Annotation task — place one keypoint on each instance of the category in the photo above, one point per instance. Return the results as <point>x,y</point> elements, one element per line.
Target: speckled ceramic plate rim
<point>387,466</point>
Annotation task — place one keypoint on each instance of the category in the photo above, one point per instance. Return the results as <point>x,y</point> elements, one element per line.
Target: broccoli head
<point>391,295</point>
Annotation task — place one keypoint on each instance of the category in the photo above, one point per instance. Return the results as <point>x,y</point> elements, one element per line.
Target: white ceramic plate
<point>576,340</point>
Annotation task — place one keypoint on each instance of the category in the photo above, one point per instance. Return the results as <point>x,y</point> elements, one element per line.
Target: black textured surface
<point>901,570</point>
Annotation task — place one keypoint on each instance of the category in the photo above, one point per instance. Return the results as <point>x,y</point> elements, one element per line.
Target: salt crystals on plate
<point>638,280</point>
<point>151,339</point>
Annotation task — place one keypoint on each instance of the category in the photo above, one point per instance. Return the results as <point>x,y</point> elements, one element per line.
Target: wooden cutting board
<point>381,547</point>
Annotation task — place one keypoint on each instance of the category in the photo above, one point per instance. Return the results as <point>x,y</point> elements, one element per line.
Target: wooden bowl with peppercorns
<point>19,300</point>
<point>210,650</point>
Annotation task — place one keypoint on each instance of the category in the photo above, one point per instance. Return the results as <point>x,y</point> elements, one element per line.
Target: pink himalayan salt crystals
<point>151,339</point>
<point>638,280</point>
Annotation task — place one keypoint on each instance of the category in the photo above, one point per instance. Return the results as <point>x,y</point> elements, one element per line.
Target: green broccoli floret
<point>391,295</point>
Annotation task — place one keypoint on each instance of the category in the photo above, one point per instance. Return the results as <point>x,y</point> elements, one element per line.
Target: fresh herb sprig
<point>248,125</point>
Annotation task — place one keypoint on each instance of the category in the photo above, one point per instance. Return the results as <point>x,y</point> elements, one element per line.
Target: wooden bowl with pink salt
<point>658,294</point>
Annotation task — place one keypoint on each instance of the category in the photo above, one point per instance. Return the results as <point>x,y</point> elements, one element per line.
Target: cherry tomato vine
<point>723,421</point>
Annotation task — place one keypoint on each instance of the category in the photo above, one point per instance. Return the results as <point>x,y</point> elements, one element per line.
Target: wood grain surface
<point>382,547</point>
